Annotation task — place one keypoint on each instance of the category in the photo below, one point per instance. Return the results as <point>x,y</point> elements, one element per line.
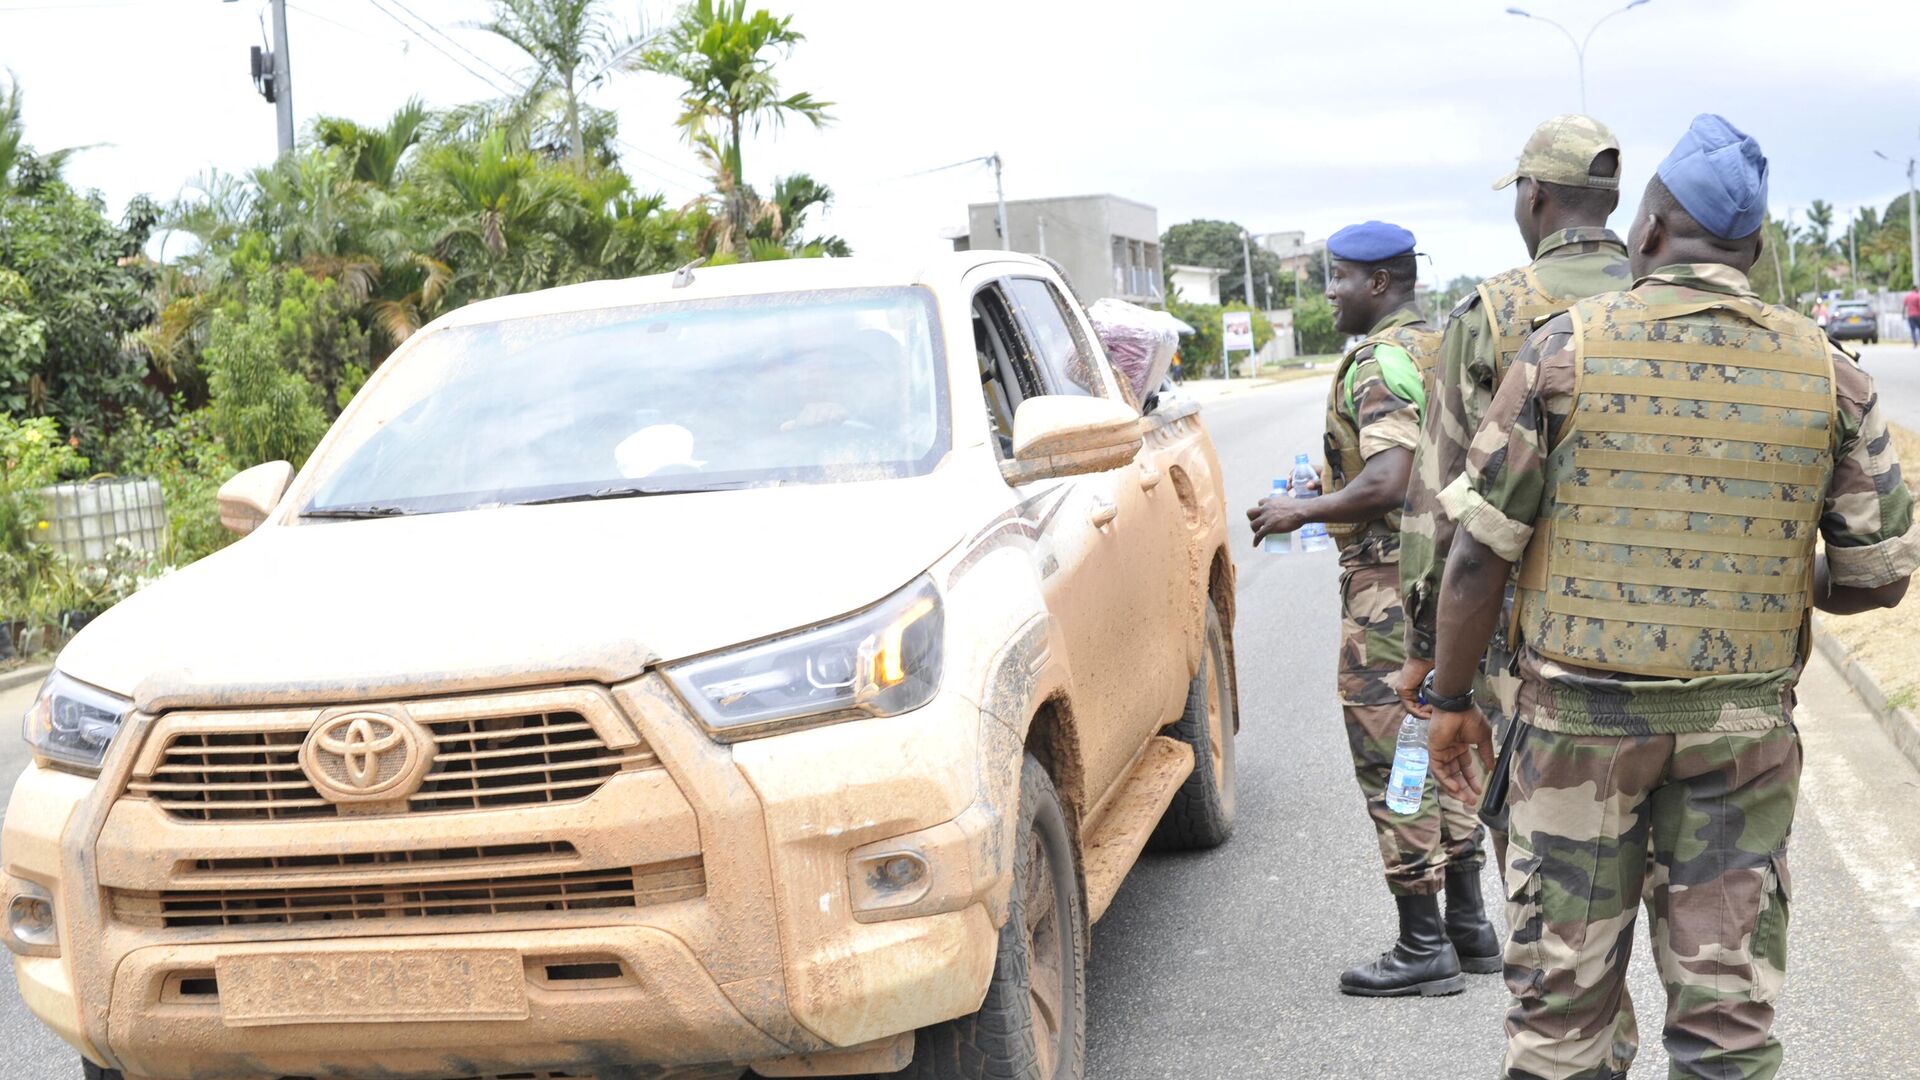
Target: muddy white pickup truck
<point>774,667</point>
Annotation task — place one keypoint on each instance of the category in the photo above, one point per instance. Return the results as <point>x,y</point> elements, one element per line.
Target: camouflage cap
<point>1562,150</point>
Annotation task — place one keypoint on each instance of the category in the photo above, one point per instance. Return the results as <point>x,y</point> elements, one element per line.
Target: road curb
<point>22,676</point>
<point>1898,722</point>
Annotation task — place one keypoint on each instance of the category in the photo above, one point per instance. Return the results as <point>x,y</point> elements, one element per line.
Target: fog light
<point>889,879</point>
<point>30,926</point>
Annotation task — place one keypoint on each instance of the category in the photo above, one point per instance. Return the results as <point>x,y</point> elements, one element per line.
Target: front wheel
<point>1032,1025</point>
<point>1201,814</point>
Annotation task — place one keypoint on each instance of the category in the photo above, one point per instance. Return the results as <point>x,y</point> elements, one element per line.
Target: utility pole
<point>1041,221</point>
<point>1246,256</point>
<point>1000,195</point>
<point>1853,258</point>
<point>282,77</point>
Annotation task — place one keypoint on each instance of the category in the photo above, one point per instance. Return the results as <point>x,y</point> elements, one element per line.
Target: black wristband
<point>1428,695</point>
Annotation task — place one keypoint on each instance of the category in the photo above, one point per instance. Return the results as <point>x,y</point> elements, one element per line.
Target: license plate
<point>371,987</point>
<point>1855,320</point>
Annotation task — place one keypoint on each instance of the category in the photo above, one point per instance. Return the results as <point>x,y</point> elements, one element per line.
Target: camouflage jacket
<point>1571,264</point>
<point>1866,518</point>
<point>1384,416</point>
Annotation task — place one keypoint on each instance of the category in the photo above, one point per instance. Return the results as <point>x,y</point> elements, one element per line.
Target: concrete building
<point>1110,246</point>
<point>1293,248</point>
<point>1196,284</point>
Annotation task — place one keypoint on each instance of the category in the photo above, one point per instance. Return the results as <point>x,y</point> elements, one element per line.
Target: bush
<point>1313,322</point>
<point>262,407</point>
<point>1200,350</point>
<point>32,455</point>
<point>190,462</point>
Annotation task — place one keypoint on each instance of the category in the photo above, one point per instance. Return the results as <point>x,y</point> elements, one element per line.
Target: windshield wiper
<point>355,512</point>
<point>629,491</point>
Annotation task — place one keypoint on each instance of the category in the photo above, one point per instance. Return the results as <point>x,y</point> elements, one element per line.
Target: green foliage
<point>32,455</point>
<point>191,462</point>
<point>84,286</point>
<point>572,45</point>
<point>1217,244</point>
<point>1313,325</point>
<point>262,407</point>
<point>1200,351</point>
<point>1446,297</point>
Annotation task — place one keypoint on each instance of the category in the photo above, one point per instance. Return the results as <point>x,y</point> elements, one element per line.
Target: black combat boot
<point>1474,938</point>
<point>1421,962</point>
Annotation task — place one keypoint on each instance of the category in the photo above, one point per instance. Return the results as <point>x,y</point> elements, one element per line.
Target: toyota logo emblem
<point>366,757</point>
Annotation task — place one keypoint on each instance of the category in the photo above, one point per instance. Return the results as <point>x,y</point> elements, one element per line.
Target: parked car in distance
<point>1854,320</point>
<point>774,666</point>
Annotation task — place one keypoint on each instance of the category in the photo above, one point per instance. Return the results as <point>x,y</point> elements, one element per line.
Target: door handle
<point>1103,513</point>
<point>1149,477</point>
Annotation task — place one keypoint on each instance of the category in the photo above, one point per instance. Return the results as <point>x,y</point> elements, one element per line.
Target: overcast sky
<point>1279,115</point>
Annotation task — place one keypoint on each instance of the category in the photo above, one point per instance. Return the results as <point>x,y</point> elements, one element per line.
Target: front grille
<point>579,890</point>
<point>362,861</point>
<point>479,763</point>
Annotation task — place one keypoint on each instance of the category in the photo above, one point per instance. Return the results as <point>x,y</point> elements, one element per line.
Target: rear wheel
<point>1032,1025</point>
<point>1201,814</point>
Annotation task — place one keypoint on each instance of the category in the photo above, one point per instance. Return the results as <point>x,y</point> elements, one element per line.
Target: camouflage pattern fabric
<point>1686,487</point>
<point>1865,519</point>
<point>1561,151</point>
<point>1416,848</point>
<point>1374,417</point>
<point>1698,825</point>
<point>1484,334</point>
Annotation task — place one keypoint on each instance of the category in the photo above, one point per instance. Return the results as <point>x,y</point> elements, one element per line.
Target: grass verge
<point>1888,641</point>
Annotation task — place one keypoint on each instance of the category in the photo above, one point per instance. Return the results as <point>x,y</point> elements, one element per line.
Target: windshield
<point>791,388</point>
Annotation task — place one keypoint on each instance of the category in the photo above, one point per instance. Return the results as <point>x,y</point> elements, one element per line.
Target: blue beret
<point>1719,175</point>
<point>1370,242</point>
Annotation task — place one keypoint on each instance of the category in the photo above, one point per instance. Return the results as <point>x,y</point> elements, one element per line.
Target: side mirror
<point>247,498</point>
<point>1060,435</point>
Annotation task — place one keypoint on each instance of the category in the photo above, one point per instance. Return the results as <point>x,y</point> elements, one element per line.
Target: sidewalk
<point>1206,390</point>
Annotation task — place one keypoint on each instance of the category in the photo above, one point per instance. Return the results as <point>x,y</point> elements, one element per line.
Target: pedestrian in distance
<point>1372,426</point>
<point>1660,463</point>
<point>1913,315</point>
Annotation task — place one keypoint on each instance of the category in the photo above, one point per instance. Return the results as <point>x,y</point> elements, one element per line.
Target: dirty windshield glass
<point>803,388</point>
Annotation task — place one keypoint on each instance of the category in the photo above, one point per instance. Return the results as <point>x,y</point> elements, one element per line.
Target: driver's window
<point>1007,377</point>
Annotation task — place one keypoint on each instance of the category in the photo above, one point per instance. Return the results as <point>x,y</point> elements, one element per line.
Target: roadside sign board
<point>1236,331</point>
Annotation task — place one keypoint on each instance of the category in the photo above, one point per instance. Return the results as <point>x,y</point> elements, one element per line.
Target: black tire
<point>1010,1038</point>
<point>90,1071</point>
<point>1201,814</point>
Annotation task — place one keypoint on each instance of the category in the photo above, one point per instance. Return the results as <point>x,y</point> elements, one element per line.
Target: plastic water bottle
<point>1313,535</point>
<point>1409,777</point>
<point>1278,543</point>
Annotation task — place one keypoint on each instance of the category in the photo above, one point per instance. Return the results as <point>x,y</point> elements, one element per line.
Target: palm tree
<point>13,136</point>
<point>573,44</point>
<point>376,152</point>
<point>726,58</point>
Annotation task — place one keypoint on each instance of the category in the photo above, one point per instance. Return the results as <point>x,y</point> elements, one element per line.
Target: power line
<point>429,24</point>
<point>663,161</point>
<point>437,47</point>
<point>311,14</point>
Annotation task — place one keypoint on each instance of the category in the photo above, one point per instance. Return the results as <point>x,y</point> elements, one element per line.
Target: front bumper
<point>768,958</point>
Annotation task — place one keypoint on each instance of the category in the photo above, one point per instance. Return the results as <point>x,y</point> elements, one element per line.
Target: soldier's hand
<point>1453,740</point>
<point>1407,685</point>
<point>1275,514</point>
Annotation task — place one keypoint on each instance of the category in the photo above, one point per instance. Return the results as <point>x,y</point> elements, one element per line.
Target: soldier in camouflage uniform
<point>1566,185</point>
<point>1660,462</point>
<point>1373,422</point>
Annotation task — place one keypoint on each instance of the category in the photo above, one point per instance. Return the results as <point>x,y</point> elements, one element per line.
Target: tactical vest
<point>1515,301</point>
<point>1684,492</point>
<point>1344,462</point>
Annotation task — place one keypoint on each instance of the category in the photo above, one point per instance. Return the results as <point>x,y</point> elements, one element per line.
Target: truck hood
<point>508,597</point>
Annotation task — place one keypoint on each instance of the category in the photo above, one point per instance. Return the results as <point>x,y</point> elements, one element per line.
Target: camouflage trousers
<point>1415,848</point>
<point>1696,824</point>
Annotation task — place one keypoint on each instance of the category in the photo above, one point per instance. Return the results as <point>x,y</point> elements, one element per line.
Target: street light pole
<point>282,77</point>
<point>1913,225</point>
<point>1000,196</point>
<point>1579,46</point>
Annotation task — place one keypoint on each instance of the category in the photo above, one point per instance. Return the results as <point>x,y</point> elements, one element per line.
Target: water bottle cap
<point>1280,483</point>
<point>1300,459</point>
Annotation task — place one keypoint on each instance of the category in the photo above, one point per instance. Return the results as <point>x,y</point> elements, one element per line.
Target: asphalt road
<point>1895,368</point>
<point>1222,965</point>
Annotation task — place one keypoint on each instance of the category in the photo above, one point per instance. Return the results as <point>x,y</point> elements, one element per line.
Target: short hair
<point>1402,270</point>
<point>1589,200</point>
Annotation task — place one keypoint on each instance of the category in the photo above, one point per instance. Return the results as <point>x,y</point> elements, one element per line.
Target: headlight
<point>70,724</point>
<point>883,661</point>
